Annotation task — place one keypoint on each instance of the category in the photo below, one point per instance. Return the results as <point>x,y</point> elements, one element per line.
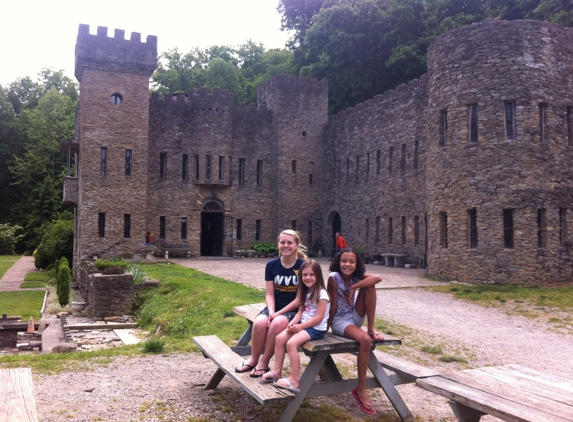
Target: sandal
<point>268,377</point>
<point>367,408</point>
<point>257,373</point>
<point>241,369</point>
<point>376,336</point>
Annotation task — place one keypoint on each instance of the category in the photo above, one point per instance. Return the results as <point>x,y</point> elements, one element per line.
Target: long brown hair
<point>318,286</point>
<point>301,249</point>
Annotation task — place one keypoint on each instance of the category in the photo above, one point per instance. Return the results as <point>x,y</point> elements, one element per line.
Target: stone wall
<point>110,295</point>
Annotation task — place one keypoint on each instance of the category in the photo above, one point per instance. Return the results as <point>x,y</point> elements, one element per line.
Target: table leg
<point>389,389</point>
<point>306,381</point>
<point>465,413</point>
<point>215,379</point>
<point>246,337</point>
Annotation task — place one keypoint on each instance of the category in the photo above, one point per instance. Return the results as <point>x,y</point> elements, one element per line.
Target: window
<point>542,122</point>
<point>416,230</point>
<point>367,230</point>
<point>347,169</point>
<point>472,228</point>
<point>390,159</point>
<point>101,224</point>
<point>390,230</point>
<point>443,128</point>
<point>221,166</point>
<point>208,161</point>
<point>443,229</point>
<point>293,166</point>
<point>311,173</point>
<point>508,229</point>
<point>185,168</point>
<point>183,228</point>
<point>259,172</point>
<point>403,158</point>
<point>570,125</point>
<point>403,234</point>
<point>357,168</point>
<point>367,166</point>
<point>562,225</point>
<point>128,162</point>
<point>103,169</point>
<point>541,228</point>
<point>416,149</point>
<point>127,225</point>
<point>162,227</point>
<point>377,233</point>
<point>473,122</point>
<point>378,162</point>
<point>257,230</point>
<point>310,233</point>
<point>163,165</point>
<point>509,120</point>
<point>293,224</point>
<point>241,171</point>
<point>196,159</point>
<point>239,229</point>
<point>116,98</point>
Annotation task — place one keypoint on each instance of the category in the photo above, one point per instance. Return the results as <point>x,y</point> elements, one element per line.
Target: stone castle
<point>467,170</point>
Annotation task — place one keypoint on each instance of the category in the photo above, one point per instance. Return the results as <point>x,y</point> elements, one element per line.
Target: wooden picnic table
<point>509,392</point>
<point>320,353</point>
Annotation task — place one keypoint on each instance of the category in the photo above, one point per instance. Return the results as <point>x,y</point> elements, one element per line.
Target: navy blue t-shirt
<point>285,281</point>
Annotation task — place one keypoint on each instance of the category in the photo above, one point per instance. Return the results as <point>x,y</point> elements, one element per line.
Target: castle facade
<point>468,170</point>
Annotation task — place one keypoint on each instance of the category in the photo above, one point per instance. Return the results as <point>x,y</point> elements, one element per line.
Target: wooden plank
<point>226,360</point>
<point>249,312</point>
<point>485,402</point>
<point>17,396</point>
<point>402,367</point>
<point>343,344</point>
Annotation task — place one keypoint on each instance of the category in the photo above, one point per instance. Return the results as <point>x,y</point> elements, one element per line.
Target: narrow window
<point>185,168</point>
<point>128,162</point>
<point>239,229</point>
<point>509,120</point>
<point>416,152</point>
<point>310,233</point>
<point>416,230</point>
<point>473,122</point>
<point>347,169</point>
<point>377,234</point>
<point>367,231</point>
<point>472,228</point>
<point>403,159</point>
<point>541,228</point>
<point>403,234</point>
<point>357,169</point>
<point>163,165</point>
<point>508,229</point>
<point>103,169</point>
<point>196,159</point>
<point>162,227</point>
<point>542,122</point>
<point>311,173</point>
<point>221,166</point>
<point>208,161</point>
<point>257,230</point>
<point>443,229</point>
<point>183,228</point>
<point>259,172</point>
<point>293,225</point>
<point>293,166</point>
<point>241,171</point>
<point>562,225</point>
<point>367,166</point>
<point>127,225</point>
<point>443,127</point>
<point>378,162</point>
<point>570,125</point>
<point>390,230</point>
<point>390,159</point>
<point>101,224</point>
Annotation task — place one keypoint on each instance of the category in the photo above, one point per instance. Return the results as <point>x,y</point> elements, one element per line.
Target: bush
<point>153,346</point>
<point>9,238</point>
<point>137,271</point>
<point>265,247</point>
<point>102,264</point>
<point>57,242</point>
<point>114,269</point>
<point>63,280</point>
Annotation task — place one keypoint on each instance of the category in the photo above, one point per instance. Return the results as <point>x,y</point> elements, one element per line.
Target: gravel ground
<point>169,387</point>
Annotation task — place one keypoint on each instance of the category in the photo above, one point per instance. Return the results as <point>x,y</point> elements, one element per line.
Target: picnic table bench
<point>320,353</point>
<point>17,396</point>
<point>509,392</point>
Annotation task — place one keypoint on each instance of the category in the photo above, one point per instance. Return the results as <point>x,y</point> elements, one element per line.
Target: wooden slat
<point>249,311</point>
<point>227,361</point>
<point>485,402</point>
<point>403,367</point>
<point>17,403</point>
<point>338,343</point>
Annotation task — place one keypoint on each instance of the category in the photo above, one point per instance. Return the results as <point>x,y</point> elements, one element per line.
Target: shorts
<point>314,333</point>
<point>289,315</point>
<point>340,323</point>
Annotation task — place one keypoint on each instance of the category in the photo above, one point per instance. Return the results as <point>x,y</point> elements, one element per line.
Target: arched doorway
<point>336,226</point>
<point>212,229</point>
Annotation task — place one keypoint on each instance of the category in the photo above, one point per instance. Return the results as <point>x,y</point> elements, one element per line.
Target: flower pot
<point>150,239</point>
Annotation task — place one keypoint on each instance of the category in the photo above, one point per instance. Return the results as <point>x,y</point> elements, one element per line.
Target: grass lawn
<point>4,265</point>
<point>23,303</point>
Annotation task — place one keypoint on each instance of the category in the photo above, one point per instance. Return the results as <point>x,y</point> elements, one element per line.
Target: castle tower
<point>499,174</point>
<point>112,132</point>
<point>300,113</point>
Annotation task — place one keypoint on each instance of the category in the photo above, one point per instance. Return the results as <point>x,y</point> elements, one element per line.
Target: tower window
<point>259,172</point>
<point>163,165</point>
<point>239,229</point>
<point>183,228</point>
<point>390,230</point>
<point>241,171</point>
<point>542,122</point>
<point>311,173</point>
<point>416,230</point>
<point>185,168</point>
<point>127,225</point>
<point>116,98</point>
<point>416,153</point>
<point>221,166</point>
<point>443,229</point>
<point>208,161</point>
<point>162,227</point>
<point>443,127</point>
<point>508,229</point>
<point>257,230</point>
<point>541,228</point>
<point>390,159</point>
<point>403,158</point>
<point>103,166</point>
<point>128,162</point>
<point>196,159</point>
<point>562,225</point>
<point>403,234</point>
<point>472,228</point>
<point>473,122</point>
<point>101,224</point>
<point>509,120</point>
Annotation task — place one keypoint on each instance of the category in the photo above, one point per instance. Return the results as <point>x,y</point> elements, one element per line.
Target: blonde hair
<point>301,249</point>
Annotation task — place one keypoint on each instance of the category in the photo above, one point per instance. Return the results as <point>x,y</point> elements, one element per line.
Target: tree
<point>297,16</point>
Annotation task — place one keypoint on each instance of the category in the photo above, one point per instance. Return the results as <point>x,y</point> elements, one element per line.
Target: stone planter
<point>78,307</point>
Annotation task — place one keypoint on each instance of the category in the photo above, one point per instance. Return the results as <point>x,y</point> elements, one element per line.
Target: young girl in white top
<point>310,323</point>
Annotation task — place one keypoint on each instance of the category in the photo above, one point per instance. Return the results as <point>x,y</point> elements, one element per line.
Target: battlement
<point>199,100</point>
<point>114,53</point>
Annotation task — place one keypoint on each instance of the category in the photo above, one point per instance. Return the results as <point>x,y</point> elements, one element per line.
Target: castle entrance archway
<point>336,224</point>
<point>212,229</point>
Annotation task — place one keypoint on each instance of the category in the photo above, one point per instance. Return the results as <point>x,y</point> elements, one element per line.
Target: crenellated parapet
<point>114,53</point>
<point>197,100</point>
<point>282,92</point>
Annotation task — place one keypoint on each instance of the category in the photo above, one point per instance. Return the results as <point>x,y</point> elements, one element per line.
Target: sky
<point>42,33</point>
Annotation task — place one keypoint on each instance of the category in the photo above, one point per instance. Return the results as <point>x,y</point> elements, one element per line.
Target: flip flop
<point>288,385</point>
<point>257,373</point>
<point>368,411</point>
<point>376,336</point>
<point>268,377</point>
<point>240,369</point>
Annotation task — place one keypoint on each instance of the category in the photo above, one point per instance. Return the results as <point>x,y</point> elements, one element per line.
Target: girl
<point>309,323</point>
<point>281,280</point>
<point>348,313</point>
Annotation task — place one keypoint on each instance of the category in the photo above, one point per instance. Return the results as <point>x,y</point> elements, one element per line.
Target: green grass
<point>4,265</point>
<point>37,276</point>
<point>10,257</point>
<point>23,303</point>
<point>33,285</point>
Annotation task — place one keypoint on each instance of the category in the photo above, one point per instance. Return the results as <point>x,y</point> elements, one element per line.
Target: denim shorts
<point>315,334</point>
<point>289,315</point>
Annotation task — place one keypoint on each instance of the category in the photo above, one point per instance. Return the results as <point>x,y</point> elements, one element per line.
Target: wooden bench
<point>187,251</point>
<point>17,403</point>
<point>226,361</point>
<point>394,259</point>
<point>405,372</point>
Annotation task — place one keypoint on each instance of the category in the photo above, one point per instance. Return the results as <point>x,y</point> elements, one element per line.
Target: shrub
<point>102,264</point>
<point>137,271</point>
<point>114,269</point>
<point>63,280</point>
<point>9,238</point>
<point>57,242</point>
<point>265,247</point>
<point>153,345</point>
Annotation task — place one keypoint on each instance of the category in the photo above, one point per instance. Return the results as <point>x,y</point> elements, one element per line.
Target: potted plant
<point>150,238</point>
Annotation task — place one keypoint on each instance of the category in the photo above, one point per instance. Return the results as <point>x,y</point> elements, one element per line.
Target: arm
<point>290,307</point>
<point>314,321</point>
<point>367,281</point>
<point>332,290</point>
<point>270,298</point>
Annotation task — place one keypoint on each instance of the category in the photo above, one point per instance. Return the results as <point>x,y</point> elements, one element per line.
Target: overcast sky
<point>42,33</point>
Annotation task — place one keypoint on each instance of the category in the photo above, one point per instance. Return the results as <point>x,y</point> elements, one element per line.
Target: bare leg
<point>278,324</point>
<point>258,338</point>
<point>366,305</point>
<point>280,343</point>
<point>292,347</point>
<point>356,333</point>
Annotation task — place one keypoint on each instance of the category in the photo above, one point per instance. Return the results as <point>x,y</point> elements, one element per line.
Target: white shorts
<point>339,324</point>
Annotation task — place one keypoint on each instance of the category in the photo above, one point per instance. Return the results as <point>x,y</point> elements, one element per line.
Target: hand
<point>293,328</point>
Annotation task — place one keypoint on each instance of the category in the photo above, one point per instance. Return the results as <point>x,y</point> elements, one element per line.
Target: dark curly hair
<point>360,267</point>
